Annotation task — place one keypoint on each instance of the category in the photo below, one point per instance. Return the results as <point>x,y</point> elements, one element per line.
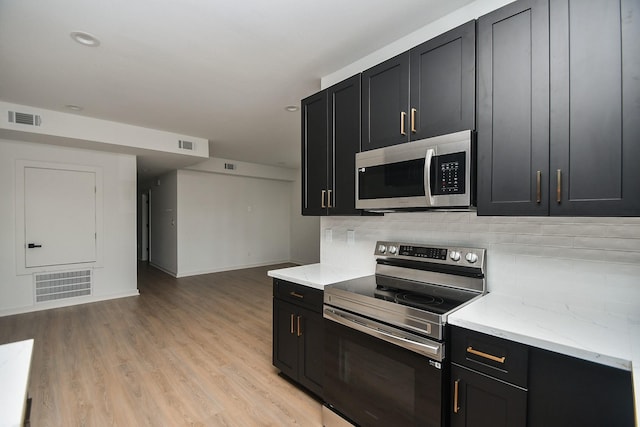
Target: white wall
<point>305,230</point>
<point>578,260</point>
<point>227,222</point>
<point>163,212</point>
<point>117,277</point>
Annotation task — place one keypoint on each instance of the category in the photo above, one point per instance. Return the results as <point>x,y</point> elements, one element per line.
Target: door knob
<point>33,245</point>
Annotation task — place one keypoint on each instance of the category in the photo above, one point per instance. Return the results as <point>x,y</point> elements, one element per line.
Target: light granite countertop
<point>316,275</point>
<point>15,364</point>
<point>605,337</point>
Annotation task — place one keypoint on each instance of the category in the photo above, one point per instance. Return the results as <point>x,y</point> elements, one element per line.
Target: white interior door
<point>60,216</point>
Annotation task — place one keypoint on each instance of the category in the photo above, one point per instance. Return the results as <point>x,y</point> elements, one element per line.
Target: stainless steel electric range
<point>385,336</point>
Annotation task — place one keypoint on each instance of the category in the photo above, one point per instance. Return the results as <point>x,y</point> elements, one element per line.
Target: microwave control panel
<point>449,174</point>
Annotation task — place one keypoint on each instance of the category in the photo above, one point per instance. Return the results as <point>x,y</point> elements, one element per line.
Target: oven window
<point>375,383</point>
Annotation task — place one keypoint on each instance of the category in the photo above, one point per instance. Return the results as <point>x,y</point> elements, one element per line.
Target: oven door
<point>373,382</point>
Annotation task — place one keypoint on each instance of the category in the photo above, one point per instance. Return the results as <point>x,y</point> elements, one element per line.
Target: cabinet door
<point>513,110</point>
<point>311,341</point>
<point>595,107</point>
<point>565,391</point>
<point>344,143</point>
<point>314,154</point>
<point>385,103</point>
<point>443,74</point>
<point>483,401</point>
<point>285,340</point>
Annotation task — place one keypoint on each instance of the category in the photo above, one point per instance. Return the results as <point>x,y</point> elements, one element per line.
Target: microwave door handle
<point>427,177</point>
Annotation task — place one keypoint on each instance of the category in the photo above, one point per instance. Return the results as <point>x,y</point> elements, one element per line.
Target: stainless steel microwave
<point>430,173</point>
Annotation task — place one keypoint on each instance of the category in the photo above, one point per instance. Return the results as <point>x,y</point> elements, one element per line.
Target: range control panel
<point>441,255</point>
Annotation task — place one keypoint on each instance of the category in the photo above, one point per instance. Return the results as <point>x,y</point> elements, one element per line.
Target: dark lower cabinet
<point>298,334</point>
<point>488,380</point>
<point>483,401</point>
<point>565,391</point>
<point>497,382</point>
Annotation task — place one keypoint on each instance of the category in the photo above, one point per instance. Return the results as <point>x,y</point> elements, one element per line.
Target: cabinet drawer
<point>295,293</point>
<point>497,357</point>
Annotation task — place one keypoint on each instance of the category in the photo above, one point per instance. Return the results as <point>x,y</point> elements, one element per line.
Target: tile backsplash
<point>576,261</point>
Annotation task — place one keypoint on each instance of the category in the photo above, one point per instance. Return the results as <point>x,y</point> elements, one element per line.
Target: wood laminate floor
<point>189,351</point>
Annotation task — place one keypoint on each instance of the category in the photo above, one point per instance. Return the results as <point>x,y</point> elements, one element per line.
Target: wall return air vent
<point>24,118</point>
<point>67,284</point>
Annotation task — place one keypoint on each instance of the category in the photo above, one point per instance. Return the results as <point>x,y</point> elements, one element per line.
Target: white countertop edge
<point>15,367</point>
<point>316,275</point>
<point>588,355</point>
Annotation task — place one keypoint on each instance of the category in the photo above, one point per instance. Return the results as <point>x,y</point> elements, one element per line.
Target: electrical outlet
<point>328,235</point>
<point>351,237</point>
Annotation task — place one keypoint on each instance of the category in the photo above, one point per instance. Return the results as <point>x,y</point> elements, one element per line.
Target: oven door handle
<point>384,332</point>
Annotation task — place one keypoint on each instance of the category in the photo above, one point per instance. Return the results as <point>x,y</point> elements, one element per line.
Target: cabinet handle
<point>538,187</point>
<point>403,117</point>
<point>413,120</point>
<point>486,355</point>
<point>456,407</point>
<point>295,294</point>
<point>322,205</point>
<point>559,187</point>
<point>292,326</point>
<point>329,198</point>
<point>299,329</point>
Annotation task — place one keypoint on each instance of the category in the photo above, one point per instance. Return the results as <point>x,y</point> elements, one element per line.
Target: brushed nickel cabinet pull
<point>403,117</point>
<point>456,407</point>
<point>292,326</point>
<point>413,120</point>
<point>486,355</point>
<point>295,294</point>
<point>538,187</point>
<point>329,198</point>
<point>559,187</point>
<point>322,205</point>
<point>299,329</point>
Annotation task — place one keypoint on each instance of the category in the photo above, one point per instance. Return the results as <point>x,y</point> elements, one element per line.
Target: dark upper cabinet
<point>513,110</point>
<point>314,154</point>
<point>427,91</point>
<point>443,73</point>
<point>330,139</point>
<point>385,103</point>
<point>595,107</point>
<point>557,113</point>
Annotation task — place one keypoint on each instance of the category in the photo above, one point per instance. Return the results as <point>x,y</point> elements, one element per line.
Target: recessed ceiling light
<point>73,107</point>
<point>85,38</point>
<point>292,108</point>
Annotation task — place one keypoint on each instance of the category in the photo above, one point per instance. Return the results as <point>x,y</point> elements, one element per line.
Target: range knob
<point>455,255</point>
<point>471,257</point>
<point>393,250</point>
<point>382,249</point>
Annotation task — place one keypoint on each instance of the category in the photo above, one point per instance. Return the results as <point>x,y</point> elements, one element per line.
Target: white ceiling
<point>220,70</point>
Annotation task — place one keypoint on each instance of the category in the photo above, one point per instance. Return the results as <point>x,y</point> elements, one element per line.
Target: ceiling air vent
<point>24,118</point>
<point>185,145</point>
